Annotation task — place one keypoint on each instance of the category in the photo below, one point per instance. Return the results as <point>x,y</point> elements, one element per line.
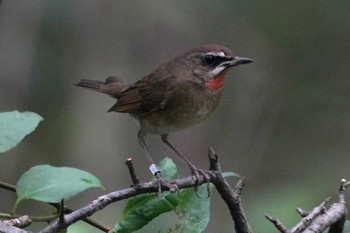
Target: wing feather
<point>145,96</point>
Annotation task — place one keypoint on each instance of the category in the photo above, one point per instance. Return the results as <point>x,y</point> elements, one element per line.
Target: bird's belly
<point>179,115</point>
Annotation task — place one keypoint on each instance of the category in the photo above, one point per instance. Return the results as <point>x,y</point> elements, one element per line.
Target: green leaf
<point>14,126</point>
<point>145,210</point>
<point>142,209</point>
<point>168,169</point>
<point>52,184</point>
<point>193,212</point>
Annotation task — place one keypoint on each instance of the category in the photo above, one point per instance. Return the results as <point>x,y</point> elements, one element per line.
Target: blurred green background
<point>283,121</point>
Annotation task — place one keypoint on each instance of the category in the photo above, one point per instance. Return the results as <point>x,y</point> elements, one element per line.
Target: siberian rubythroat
<point>177,95</point>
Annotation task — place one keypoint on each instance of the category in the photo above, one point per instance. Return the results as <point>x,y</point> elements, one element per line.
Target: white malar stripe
<point>217,70</point>
<point>218,54</point>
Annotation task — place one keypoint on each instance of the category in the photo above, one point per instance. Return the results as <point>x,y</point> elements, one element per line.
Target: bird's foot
<point>195,172</point>
<point>162,182</point>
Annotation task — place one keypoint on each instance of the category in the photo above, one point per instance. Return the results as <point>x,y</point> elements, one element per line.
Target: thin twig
<point>61,211</point>
<point>278,224</point>
<point>302,212</point>
<point>7,186</point>
<point>132,171</point>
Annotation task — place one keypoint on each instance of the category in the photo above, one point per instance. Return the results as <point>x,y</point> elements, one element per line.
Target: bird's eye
<point>209,60</point>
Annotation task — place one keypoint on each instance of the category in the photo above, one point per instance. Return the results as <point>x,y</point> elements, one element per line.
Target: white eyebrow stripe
<point>220,54</point>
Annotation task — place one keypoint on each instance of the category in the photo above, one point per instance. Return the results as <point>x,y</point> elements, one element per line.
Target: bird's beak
<point>238,61</point>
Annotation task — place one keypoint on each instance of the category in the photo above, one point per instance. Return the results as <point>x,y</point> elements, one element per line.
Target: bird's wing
<point>145,96</point>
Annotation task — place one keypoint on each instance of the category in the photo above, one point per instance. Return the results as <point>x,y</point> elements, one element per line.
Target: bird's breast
<point>186,107</point>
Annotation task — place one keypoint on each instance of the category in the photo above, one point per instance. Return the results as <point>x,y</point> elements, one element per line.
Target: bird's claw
<point>162,182</point>
<point>206,175</point>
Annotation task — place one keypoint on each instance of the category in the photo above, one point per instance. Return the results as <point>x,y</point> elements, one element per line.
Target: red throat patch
<point>216,83</point>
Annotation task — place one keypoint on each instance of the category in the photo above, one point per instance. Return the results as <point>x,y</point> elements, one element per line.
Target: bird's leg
<point>194,171</point>
<point>154,169</point>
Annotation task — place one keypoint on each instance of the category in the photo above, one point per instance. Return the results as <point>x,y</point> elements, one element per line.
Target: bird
<point>178,94</point>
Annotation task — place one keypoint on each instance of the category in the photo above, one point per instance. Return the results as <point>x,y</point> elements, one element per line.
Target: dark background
<point>283,121</point>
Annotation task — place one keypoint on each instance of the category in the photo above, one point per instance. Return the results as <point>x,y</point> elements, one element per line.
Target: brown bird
<point>177,95</point>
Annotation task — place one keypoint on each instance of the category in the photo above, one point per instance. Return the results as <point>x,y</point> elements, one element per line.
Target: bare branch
<point>321,218</point>
<point>14,225</point>
<point>229,195</point>
<point>20,222</point>
<point>308,219</point>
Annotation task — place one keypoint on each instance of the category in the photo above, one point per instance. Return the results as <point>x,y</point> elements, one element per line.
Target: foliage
<point>14,126</point>
<point>43,182</point>
<point>52,184</point>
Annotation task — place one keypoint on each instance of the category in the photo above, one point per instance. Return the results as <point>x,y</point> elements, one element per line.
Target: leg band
<point>154,169</point>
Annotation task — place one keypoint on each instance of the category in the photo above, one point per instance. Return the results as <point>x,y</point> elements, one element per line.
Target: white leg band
<point>154,169</point>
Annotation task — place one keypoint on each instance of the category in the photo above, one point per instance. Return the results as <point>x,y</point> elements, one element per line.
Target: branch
<point>20,222</point>
<point>12,188</point>
<point>14,225</point>
<point>320,218</point>
<point>310,217</point>
<point>103,201</point>
<point>229,195</point>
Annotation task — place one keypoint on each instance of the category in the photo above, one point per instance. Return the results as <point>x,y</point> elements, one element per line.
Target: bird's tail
<point>112,86</point>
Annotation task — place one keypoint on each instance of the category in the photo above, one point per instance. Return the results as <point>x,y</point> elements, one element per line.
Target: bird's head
<point>210,64</point>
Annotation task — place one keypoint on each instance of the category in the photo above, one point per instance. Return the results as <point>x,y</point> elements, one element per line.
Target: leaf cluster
<point>49,184</point>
